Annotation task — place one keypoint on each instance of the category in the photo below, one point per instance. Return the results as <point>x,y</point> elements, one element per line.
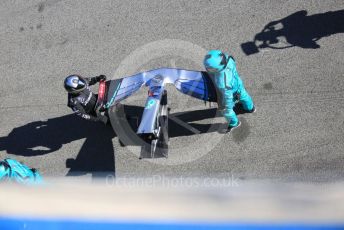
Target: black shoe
<point>227,129</point>
<point>252,110</point>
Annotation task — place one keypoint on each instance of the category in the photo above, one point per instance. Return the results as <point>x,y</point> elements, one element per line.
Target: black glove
<point>101,78</point>
<point>101,109</point>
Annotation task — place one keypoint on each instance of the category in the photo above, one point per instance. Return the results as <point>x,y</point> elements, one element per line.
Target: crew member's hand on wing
<point>101,78</point>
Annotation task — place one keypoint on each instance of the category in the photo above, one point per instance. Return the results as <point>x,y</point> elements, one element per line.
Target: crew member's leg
<point>228,112</point>
<point>245,99</point>
<point>231,117</point>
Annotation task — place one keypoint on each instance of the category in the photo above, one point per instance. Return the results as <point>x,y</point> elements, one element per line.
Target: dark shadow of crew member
<point>298,29</point>
<point>96,155</point>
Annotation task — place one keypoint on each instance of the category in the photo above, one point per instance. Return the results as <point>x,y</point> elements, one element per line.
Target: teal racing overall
<point>231,90</point>
<point>12,170</point>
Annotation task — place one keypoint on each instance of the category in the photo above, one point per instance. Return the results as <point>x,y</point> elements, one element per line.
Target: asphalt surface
<point>297,133</point>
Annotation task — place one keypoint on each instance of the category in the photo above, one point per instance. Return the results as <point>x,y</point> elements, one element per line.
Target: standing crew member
<point>81,99</point>
<point>229,86</point>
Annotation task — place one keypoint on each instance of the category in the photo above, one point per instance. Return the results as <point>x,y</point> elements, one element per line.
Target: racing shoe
<point>227,129</point>
<point>252,110</point>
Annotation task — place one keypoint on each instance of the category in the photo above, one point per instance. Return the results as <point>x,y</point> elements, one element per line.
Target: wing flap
<point>197,85</point>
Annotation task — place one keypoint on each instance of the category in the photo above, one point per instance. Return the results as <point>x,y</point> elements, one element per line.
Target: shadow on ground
<point>96,155</point>
<point>297,29</point>
<point>182,123</point>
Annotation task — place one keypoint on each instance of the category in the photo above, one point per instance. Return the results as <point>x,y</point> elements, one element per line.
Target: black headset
<point>224,60</point>
<point>6,165</point>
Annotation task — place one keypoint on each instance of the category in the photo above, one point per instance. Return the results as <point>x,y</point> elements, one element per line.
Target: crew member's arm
<point>227,93</point>
<point>94,80</point>
<point>80,111</point>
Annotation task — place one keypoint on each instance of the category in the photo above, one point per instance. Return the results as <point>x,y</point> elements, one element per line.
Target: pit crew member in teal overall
<point>229,86</point>
<point>14,171</point>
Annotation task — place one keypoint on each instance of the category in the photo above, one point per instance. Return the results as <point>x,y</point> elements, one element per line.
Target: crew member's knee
<point>246,100</point>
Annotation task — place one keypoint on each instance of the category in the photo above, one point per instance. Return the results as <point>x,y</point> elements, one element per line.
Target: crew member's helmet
<point>4,170</point>
<point>75,84</point>
<point>215,61</point>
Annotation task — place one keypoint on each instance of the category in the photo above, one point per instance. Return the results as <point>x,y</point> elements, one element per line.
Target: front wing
<point>196,84</point>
